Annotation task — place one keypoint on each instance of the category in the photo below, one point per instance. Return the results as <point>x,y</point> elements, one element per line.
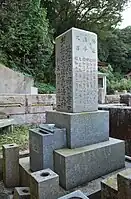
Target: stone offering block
<point>109,188</point>
<point>42,143</point>
<point>82,165</point>
<point>82,128</point>
<point>76,71</point>
<point>124,184</point>
<point>11,165</point>
<point>75,195</point>
<point>21,193</point>
<point>44,184</point>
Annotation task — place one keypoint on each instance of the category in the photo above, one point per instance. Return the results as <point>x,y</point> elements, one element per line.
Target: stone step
<point>81,165</point>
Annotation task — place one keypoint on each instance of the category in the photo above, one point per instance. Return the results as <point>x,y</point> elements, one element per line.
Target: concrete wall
<point>120,123</point>
<point>27,109</point>
<point>14,82</point>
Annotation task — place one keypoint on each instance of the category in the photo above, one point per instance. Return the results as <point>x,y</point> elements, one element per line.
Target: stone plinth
<point>109,188</point>
<point>24,167</point>
<point>11,165</point>
<point>76,195</point>
<point>124,184</point>
<point>82,128</point>
<point>44,184</point>
<point>21,193</point>
<point>77,166</point>
<point>76,71</point>
<point>42,144</point>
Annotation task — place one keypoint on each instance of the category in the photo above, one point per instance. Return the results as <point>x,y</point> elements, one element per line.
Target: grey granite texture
<point>42,144</point>
<point>76,71</point>
<point>44,184</point>
<point>24,168</point>
<point>11,165</point>
<point>81,165</point>
<point>76,194</point>
<point>124,184</point>
<point>21,193</point>
<point>82,128</point>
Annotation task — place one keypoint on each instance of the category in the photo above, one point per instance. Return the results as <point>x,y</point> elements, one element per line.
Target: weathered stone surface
<point>44,184</point>
<point>36,118</point>
<point>42,144</point>
<point>24,167</point>
<point>76,195</point>
<point>82,128</point>
<point>112,99</point>
<point>120,123</point>
<point>11,165</point>
<point>77,166</point>
<point>126,99</point>
<point>109,188</point>
<point>124,184</point>
<point>6,122</point>
<point>21,193</point>
<point>76,71</point>
<point>14,82</point>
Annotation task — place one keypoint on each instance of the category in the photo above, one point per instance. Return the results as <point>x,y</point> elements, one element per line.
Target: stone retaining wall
<point>27,109</point>
<point>120,123</point>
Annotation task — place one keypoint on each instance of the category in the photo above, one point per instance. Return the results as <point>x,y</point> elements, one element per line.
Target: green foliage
<point>116,81</point>
<point>20,136</point>
<point>45,88</point>
<point>25,38</point>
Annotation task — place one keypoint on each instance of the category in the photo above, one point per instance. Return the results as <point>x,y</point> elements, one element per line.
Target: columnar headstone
<point>76,71</point>
<point>11,165</point>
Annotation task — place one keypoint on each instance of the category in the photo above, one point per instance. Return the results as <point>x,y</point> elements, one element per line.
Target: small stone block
<point>109,188</point>
<point>124,184</point>
<point>21,193</point>
<point>81,165</point>
<point>11,165</point>
<point>74,195</point>
<point>44,184</point>
<point>42,144</point>
<point>84,128</point>
<point>24,167</point>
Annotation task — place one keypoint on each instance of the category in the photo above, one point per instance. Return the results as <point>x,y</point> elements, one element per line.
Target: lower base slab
<point>80,165</point>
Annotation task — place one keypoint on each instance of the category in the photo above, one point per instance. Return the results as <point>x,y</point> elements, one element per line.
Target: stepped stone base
<point>82,128</point>
<point>77,166</point>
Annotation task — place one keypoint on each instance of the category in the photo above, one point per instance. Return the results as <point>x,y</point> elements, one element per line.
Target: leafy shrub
<point>45,88</point>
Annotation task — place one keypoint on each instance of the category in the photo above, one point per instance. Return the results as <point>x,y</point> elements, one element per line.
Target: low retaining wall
<point>120,123</point>
<point>27,109</point>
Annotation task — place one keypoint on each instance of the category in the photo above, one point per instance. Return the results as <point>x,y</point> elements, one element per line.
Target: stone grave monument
<point>77,147</point>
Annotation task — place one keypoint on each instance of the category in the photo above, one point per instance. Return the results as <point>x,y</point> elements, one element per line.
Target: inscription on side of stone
<point>76,71</point>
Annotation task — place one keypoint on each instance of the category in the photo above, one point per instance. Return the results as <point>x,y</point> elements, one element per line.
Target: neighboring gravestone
<point>76,71</point>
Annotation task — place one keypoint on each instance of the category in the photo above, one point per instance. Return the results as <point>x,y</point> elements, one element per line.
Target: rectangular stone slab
<point>82,128</point>
<point>76,71</point>
<point>82,165</point>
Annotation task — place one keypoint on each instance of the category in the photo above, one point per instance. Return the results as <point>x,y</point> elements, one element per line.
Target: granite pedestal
<point>42,144</point>
<point>77,166</point>
<point>44,184</point>
<point>82,128</point>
